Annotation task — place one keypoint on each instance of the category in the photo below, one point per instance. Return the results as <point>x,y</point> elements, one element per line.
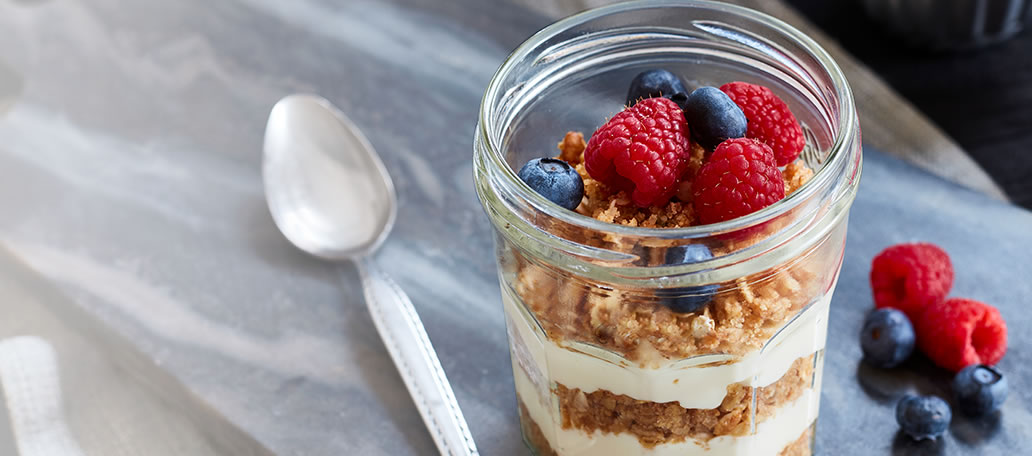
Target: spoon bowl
<point>327,189</point>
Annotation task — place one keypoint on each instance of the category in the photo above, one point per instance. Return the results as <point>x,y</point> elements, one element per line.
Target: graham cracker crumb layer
<point>657,423</point>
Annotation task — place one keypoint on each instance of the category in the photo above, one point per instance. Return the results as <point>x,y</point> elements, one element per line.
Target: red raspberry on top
<point>643,149</point>
<point>911,277</point>
<point>770,120</point>
<point>960,332</point>
<point>740,178</point>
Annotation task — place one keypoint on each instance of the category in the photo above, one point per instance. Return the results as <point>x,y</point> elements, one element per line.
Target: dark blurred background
<point>981,97</point>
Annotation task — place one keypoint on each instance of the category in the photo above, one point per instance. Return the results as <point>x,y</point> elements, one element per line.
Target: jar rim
<point>838,150</point>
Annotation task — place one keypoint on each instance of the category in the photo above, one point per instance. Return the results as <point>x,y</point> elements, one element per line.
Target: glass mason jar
<point>602,363</point>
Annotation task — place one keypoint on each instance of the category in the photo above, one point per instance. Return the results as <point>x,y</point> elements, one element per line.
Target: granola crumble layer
<point>739,320</point>
<point>803,446</point>
<point>657,423</point>
<point>532,432</point>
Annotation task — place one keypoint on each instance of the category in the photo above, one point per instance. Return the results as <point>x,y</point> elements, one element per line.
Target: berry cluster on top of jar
<point>748,133</point>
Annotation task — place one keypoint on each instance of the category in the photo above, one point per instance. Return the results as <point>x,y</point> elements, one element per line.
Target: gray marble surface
<point>73,387</point>
<point>130,137</point>
<point>130,155</point>
<point>990,244</point>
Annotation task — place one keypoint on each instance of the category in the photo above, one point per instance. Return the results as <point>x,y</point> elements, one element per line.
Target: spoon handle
<point>406,340</point>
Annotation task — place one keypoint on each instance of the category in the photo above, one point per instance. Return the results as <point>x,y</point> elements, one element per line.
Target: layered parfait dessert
<point>710,369</point>
<point>666,277</point>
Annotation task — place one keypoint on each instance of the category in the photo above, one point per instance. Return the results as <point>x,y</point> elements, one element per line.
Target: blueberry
<point>688,299</point>
<point>713,117</point>
<point>554,179</point>
<point>923,417</point>
<point>680,98</point>
<point>979,389</point>
<point>887,338</point>
<point>654,83</point>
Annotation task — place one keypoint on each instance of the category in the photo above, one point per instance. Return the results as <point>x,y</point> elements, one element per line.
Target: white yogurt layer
<point>771,436</point>
<point>695,383</point>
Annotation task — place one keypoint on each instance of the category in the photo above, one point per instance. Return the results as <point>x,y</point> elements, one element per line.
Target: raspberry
<point>643,149</point>
<point>770,120</point>
<point>740,178</point>
<point>911,277</point>
<point>960,332</point>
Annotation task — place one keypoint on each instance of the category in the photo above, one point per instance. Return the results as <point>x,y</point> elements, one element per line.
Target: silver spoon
<point>331,196</point>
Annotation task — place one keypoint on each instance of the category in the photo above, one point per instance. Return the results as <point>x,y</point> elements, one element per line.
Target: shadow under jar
<point>602,365</point>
